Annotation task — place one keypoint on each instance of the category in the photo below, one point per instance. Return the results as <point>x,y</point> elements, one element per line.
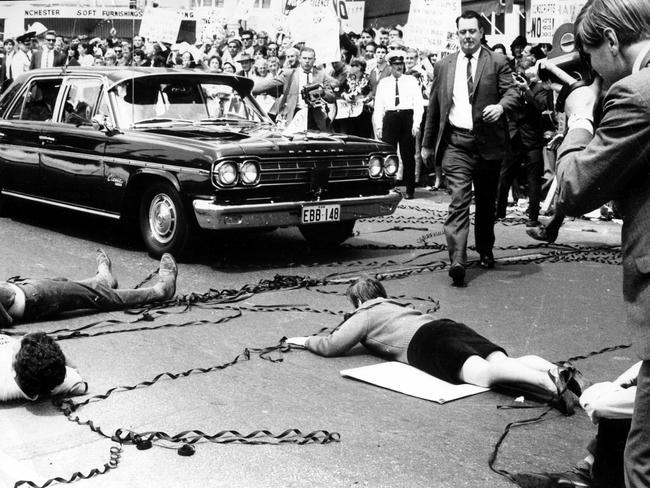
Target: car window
<point>80,101</point>
<point>37,102</point>
<point>8,97</point>
<point>176,100</point>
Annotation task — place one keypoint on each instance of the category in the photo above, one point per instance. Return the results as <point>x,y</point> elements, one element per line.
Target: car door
<point>21,136</point>
<point>72,166</point>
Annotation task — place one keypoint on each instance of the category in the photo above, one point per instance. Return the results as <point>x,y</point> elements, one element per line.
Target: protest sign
<point>355,13</point>
<point>160,25</point>
<point>316,23</point>
<point>432,25</point>
<point>545,16</point>
<point>209,23</point>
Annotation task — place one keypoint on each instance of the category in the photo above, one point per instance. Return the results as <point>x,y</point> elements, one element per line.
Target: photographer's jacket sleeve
<point>614,163</point>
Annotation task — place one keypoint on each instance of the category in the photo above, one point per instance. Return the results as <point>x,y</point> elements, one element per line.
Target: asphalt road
<point>555,301</point>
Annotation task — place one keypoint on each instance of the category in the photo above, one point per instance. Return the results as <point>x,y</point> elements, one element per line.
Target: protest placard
<point>160,24</point>
<point>316,23</point>
<point>432,25</point>
<point>354,22</point>
<point>545,16</point>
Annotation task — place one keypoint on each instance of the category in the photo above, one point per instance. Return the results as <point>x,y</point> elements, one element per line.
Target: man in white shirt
<point>467,133</point>
<point>22,58</point>
<point>398,114</point>
<point>48,56</point>
<point>35,367</point>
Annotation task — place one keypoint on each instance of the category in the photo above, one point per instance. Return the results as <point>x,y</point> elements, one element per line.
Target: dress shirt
<point>460,114</point>
<point>410,98</point>
<point>303,80</point>
<point>47,57</point>
<point>20,63</point>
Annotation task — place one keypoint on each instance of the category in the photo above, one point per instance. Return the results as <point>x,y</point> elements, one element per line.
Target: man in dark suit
<point>293,81</point>
<point>610,162</point>
<point>48,56</point>
<point>467,132</point>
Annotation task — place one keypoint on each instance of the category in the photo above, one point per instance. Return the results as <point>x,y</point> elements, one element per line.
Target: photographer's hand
<point>582,101</point>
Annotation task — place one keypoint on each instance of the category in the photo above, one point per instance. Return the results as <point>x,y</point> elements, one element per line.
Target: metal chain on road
<point>187,438</point>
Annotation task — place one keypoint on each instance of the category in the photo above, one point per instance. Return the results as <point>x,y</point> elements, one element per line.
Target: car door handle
<point>46,139</point>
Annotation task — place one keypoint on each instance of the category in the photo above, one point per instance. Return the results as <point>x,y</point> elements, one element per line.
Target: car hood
<point>233,141</point>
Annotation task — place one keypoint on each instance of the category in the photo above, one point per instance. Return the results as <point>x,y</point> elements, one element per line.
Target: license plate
<point>314,214</point>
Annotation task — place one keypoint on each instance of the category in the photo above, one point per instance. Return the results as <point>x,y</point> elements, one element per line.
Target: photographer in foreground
<point>611,162</point>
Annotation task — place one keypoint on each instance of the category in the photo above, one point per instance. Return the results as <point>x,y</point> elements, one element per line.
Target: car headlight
<point>391,165</point>
<point>375,166</point>
<point>249,173</point>
<point>227,173</point>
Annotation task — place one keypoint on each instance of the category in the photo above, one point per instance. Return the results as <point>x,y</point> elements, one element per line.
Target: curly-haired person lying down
<point>35,367</point>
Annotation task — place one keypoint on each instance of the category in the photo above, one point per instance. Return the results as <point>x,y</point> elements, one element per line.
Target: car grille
<point>344,168</point>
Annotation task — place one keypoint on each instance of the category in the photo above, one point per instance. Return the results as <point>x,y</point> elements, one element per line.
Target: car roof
<point>117,74</point>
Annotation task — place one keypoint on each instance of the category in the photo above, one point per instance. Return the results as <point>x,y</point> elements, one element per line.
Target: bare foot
<point>104,271</point>
<point>167,273</point>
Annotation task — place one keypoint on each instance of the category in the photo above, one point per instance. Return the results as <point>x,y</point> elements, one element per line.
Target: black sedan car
<point>173,150</point>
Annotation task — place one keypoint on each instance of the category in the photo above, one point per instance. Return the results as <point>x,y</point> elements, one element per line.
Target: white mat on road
<point>411,381</point>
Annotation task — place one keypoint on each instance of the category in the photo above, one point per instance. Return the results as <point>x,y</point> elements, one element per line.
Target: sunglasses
<point>50,40</point>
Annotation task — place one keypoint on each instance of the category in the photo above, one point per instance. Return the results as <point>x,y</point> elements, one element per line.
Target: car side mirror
<point>103,123</point>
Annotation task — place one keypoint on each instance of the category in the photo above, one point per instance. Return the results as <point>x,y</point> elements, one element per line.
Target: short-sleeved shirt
<point>9,389</point>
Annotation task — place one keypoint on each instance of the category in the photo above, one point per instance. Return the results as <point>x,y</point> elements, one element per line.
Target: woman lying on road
<point>443,348</point>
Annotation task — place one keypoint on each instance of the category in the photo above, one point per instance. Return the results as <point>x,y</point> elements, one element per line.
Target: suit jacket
<point>59,59</point>
<point>492,84</point>
<point>290,81</point>
<point>614,164</point>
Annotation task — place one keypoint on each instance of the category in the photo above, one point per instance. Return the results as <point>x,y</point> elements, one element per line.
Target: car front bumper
<point>218,217</point>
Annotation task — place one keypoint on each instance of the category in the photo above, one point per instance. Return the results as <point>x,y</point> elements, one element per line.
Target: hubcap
<point>162,218</point>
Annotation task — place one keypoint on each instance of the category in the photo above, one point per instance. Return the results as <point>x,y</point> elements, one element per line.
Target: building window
<point>262,4</point>
<point>207,3</point>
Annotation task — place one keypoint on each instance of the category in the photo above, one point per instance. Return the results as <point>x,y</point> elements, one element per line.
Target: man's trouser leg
<point>45,298</point>
<point>607,470</point>
<point>637,449</point>
<point>458,164</point>
<point>534,163</point>
<point>486,182</point>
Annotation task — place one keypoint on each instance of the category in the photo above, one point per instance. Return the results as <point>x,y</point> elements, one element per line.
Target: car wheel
<point>163,222</point>
<point>329,234</point>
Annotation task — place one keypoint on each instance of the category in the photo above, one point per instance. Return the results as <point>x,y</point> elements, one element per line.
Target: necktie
<point>470,80</point>
<point>396,92</point>
<point>308,77</point>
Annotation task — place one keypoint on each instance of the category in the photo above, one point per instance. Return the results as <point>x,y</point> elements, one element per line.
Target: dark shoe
<point>542,233</point>
<point>568,479</point>
<point>574,379</point>
<point>533,223</point>
<point>408,196</point>
<point>457,274</point>
<point>486,261</point>
<point>565,400</point>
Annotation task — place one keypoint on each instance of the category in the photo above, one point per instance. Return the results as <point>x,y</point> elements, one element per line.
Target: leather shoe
<point>574,379</point>
<point>457,274</point>
<point>542,233</point>
<point>486,261</point>
<point>408,196</point>
<point>565,400</point>
<point>568,479</point>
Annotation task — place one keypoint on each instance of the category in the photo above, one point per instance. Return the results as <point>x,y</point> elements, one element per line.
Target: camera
<point>312,94</point>
<point>566,56</point>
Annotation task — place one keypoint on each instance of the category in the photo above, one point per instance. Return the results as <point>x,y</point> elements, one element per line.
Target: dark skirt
<point>442,346</point>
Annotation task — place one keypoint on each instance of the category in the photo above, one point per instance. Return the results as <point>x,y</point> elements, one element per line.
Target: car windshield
<point>165,100</point>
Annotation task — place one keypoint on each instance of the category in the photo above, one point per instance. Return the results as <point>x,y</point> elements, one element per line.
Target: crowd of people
<point>473,120</point>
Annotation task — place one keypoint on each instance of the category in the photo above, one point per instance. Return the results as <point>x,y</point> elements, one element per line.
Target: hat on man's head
<point>396,57</point>
<point>244,57</point>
